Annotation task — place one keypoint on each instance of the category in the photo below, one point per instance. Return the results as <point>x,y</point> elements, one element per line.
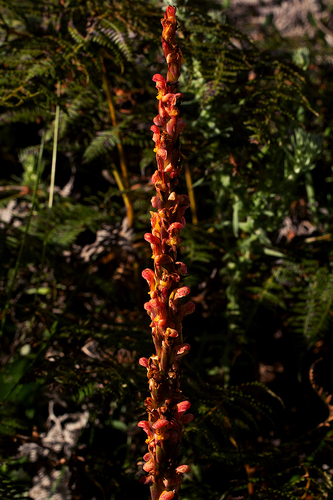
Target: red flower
<point>149,466</point>
<point>173,231</point>
<point>181,408</point>
<point>143,362</point>
<point>155,244</point>
<point>149,275</point>
<point>181,292</point>
<point>171,332</point>
<point>183,469</point>
<point>146,427</point>
<point>157,311</point>
<point>160,84</point>
<point>167,495</point>
<point>182,269</point>
<point>160,423</point>
<point>147,479</point>
<point>183,349</point>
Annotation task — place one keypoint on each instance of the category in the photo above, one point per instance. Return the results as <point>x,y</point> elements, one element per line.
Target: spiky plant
<point>166,405</point>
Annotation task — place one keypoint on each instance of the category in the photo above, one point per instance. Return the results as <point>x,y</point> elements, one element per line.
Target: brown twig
<point>190,191</point>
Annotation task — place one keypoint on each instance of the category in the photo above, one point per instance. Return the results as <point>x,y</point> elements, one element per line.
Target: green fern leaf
<point>104,141</point>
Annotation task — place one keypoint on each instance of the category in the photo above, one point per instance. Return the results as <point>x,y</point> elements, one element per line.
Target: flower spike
<point>166,405</point>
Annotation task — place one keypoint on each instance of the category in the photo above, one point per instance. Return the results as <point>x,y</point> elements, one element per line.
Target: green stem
<point>311,196</point>
<point>56,484</point>
<point>55,146</point>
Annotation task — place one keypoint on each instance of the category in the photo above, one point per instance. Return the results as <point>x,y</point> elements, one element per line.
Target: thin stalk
<point>39,170</point>
<point>55,147</point>
<point>311,196</point>
<point>122,159</point>
<point>126,199</point>
<point>57,482</point>
<point>190,191</point>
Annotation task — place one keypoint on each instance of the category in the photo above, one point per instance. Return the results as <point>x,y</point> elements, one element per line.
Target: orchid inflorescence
<point>166,406</point>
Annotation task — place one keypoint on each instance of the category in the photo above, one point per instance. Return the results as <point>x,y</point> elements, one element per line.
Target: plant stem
<point>166,405</point>
<point>122,159</point>
<point>311,196</point>
<point>55,146</point>
<point>190,190</point>
<point>126,199</point>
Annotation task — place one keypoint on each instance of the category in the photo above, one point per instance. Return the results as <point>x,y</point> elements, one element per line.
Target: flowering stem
<point>166,405</point>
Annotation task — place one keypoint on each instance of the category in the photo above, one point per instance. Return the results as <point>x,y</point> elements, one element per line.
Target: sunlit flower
<point>183,469</point>
<point>167,495</point>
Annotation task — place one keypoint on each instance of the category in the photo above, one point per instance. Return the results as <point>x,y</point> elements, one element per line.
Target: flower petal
<point>160,423</point>
<point>170,12</point>
<point>167,495</point>
<point>149,466</point>
<point>187,308</point>
<point>151,238</point>
<point>156,309</point>
<point>182,407</point>
<point>183,349</point>
<point>143,362</point>
<point>147,479</point>
<point>155,129</point>
<point>159,78</point>
<point>182,292</point>
<point>183,469</point>
<point>155,243</point>
<point>145,426</point>
<point>171,332</point>
<point>157,121</point>
<point>186,419</point>
<point>182,268</point>
<point>149,275</point>
<point>162,153</point>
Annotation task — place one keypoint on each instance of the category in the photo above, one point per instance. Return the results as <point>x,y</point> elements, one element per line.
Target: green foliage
<point>62,224</point>
<point>10,488</point>
<point>102,143</point>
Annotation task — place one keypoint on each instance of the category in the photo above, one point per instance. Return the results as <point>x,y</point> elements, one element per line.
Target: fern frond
<point>316,314</point>
<point>104,141</point>
<point>24,114</point>
<point>118,37</point>
<point>74,33</point>
<point>62,224</point>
